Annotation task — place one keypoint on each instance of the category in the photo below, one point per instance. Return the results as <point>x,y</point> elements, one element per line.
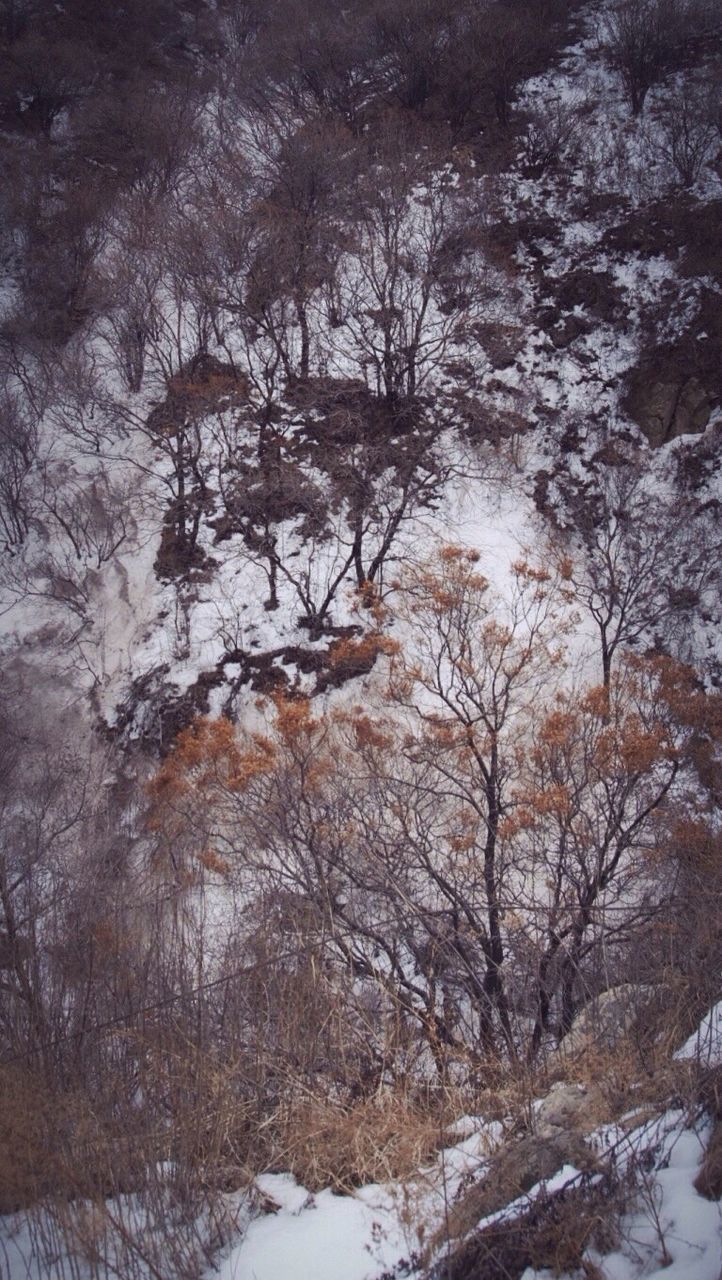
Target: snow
<point>137,625</point>
<point>360,1236</point>
<point>705,1044</point>
<point>299,1235</point>
<point>319,1237</point>
<point>670,1231</point>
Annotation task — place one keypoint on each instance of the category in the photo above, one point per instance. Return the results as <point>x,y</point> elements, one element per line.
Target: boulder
<point>595,291</point>
<point>575,1107</point>
<point>609,1017</point>
<point>666,408</point>
<point>513,1170</point>
<point>709,1179</point>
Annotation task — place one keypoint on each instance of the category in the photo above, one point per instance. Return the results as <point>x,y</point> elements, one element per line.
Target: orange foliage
<point>699,847</point>
<point>596,701</point>
<point>451,553</point>
<point>533,805</point>
<point>368,734</point>
<point>639,748</point>
<point>293,717</point>
<point>529,572</point>
<point>553,800</point>
<point>213,862</point>
<point>558,729</point>
<point>207,753</point>
<point>353,652</point>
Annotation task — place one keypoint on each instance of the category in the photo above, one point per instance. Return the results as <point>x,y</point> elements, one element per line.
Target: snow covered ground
<point>137,625</point>
<point>382,1232</point>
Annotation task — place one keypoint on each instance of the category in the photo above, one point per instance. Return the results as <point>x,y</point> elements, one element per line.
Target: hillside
<point>360,879</point>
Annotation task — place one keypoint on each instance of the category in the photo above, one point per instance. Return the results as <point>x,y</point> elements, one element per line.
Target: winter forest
<point>360,850</point>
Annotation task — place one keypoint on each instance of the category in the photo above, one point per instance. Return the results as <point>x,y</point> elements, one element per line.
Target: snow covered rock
<point>606,1019</point>
<point>705,1044</point>
<point>568,1106</point>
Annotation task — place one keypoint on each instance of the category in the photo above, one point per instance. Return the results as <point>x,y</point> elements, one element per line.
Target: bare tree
<point>327,66</point>
<point>94,514</point>
<point>634,561</point>
<point>550,137</point>
<point>641,39</point>
<point>511,47</point>
<point>129,281</point>
<point>386,486</point>
<point>412,38</point>
<point>18,453</point>
<point>296,218</point>
<point>47,76</point>
<point>396,310</point>
<point>686,137</point>
<point>142,134</point>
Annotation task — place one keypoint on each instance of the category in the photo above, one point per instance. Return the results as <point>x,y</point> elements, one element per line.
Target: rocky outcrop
<point>675,388</point>
<point>666,407</point>
<point>609,1017</point>
<point>517,1167</point>
<point>574,1108</point>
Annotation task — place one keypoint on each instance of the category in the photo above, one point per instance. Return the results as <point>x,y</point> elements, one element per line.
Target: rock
<point>574,1107</point>
<point>609,1017</point>
<point>667,409</point>
<point>516,1168</point>
<point>568,329</point>
<point>709,1179</point>
<point>596,291</point>
<point>676,386</point>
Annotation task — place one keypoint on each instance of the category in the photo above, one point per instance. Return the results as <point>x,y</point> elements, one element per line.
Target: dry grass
<point>26,1164</point>
<point>385,1137</point>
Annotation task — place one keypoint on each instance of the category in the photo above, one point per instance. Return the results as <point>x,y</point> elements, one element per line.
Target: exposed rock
<point>502,342</point>
<point>609,1017</point>
<point>568,329</point>
<point>666,409</point>
<point>516,1168</point>
<point>574,1107</point>
<point>683,226</point>
<point>676,386</point>
<point>562,329</point>
<point>554,1234</point>
<point>596,291</point>
<point>709,1178</point>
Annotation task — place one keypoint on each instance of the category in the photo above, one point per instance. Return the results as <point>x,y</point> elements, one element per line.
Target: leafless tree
<point>94,514</point>
<point>641,39</point>
<point>296,222</point>
<point>686,137</point>
<point>635,562</point>
<point>512,45</point>
<point>412,39</point>
<point>18,452</point>
<point>393,311</point>
<point>550,137</point>
<point>46,80</point>
<point>324,68</point>
<point>141,134</point>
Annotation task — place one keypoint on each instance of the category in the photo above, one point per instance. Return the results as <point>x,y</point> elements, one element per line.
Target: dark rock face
<point>676,386</point>
<point>665,408</point>
<point>596,291</point>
